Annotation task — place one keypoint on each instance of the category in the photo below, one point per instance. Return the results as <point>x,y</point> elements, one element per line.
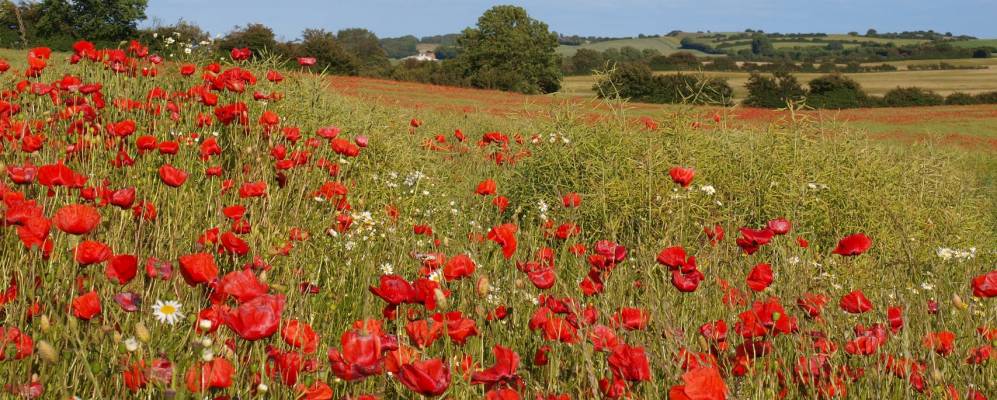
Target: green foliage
<point>257,37</point>
<point>400,47</point>
<point>636,82</point>
<point>96,20</point>
<point>584,61</point>
<point>773,92</point>
<point>911,97</point>
<point>836,91</point>
<point>328,52</point>
<point>508,50</point>
<point>761,45</point>
<point>364,46</point>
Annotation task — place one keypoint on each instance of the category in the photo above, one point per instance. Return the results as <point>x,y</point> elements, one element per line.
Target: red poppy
<point>760,277</point>
<point>122,268</point>
<point>241,54</point>
<point>394,289</point>
<point>242,285</point>
<point>751,240</point>
<point>172,176</point>
<point>428,378</point>
<point>571,200</point>
<point>198,268</point>
<point>780,226</point>
<point>214,374</point>
<point>486,187</point>
<point>853,245</point>
<point>682,176</point>
<point>629,363</point>
<point>86,306</point>
<point>301,335</point>
<point>256,319</point>
<point>943,343</point>
<point>457,267</point>
<point>503,372</point>
<point>306,61</point>
<point>460,328</point>
<point>91,252</point>
<point>985,286</point>
<point>77,219</point>
<point>855,303</point>
<point>21,345</point>
<point>505,236</point>
<point>700,384</point>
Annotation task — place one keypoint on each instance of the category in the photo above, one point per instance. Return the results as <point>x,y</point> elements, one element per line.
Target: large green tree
<point>508,50</point>
<point>366,48</point>
<point>101,20</point>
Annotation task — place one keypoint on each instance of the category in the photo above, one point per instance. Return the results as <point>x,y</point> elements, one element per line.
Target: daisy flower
<point>167,311</point>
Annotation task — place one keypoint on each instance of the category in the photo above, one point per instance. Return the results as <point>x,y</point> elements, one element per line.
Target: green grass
<point>975,43</point>
<point>828,179</point>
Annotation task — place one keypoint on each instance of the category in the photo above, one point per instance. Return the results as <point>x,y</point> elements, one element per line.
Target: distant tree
<point>508,50</point>
<point>630,54</point>
<point>761,45</point>
<point>911,97</point>
<point>257,37</point>
<point>981,53</point>
<point>99,20</point>
<point>366,48</point>
<point>871,32</point>
<point>400,47</point>
<point>835,46</point>
<point>584,61</point>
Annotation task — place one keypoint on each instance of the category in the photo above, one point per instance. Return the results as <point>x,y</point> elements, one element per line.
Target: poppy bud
<point>47,352</point>
<point>142,333</point>
<point>483,286</point>
<point>520,283</point>
<point>957,301</point>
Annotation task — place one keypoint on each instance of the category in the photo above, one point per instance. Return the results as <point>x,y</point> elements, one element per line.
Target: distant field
<point>665,45</point>
<point>976,43</point>
<point>875,83</point>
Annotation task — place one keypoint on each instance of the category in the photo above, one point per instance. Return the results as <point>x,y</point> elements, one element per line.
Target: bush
<point>912,97</point>
<point>960,99</point>
<point>836,91</point>
<point>773,92</point>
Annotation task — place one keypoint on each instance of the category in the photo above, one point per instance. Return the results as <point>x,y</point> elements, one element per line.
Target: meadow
<point>191,228</point>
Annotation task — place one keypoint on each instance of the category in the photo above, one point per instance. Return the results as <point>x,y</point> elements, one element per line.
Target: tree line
<point>636,81</point>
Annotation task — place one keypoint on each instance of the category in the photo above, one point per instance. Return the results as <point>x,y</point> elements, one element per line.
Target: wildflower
<point>167,312</point>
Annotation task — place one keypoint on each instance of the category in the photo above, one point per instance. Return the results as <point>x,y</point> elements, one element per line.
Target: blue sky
<point>588,17</point>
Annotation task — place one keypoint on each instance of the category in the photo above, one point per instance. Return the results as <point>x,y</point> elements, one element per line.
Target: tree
<point>99,20</point>
<point>508,50</point>
<point>366,48</point>
<point>584,61</point>
<point>400,47</point>
<point>761,45</point>
<point>256,37</point>
<point>836,91</point>
<point>327,52</point>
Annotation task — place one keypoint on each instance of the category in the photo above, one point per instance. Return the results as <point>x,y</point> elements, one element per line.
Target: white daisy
<point>167,312</point>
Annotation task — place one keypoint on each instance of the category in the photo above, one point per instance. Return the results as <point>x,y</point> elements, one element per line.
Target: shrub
<point>912,97</point>
<point>960,99</point>
<point>836,91</point>
<point>635,81</point>
<point>773,92</point>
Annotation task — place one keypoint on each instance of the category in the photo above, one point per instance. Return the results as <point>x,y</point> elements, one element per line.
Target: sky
<point>615,18</point>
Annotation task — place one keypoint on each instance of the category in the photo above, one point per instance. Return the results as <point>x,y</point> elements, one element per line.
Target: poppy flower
<point>780,226</point>
<point>91,252</point>
<point>760,277</point>
<point>457,267</point>
<point>941,342</point>
<point>86,306</point>
<point>571,200</point>
<point>505,236</point>
<point>682,176</point>
<point>122,268</point>
<point>855,303</point>
<point>853,245</point>
<point>214,374</point>
<point>751,240</point>
<point>504,370</point>
<point>428,378</point>
<point>255,319</point>
<point>15,343</point>
<point>486,187</point>
<point>394,289</point>
<point>128,301</point>
<point>459,328</point>
<point>301,335</point>
<point>198,268</point>
<point>242,285</point>
<point>629,363</point>
<point>172,176</point>
<point>306,61</point>
<point>700,384</point>
<point>241,54</point>
<point>985,286</point>
<point>76,219</point>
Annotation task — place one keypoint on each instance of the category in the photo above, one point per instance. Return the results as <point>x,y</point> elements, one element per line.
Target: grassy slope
<point>665,45</point>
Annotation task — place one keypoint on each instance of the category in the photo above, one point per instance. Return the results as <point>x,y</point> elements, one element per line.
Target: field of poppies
<point>204,228</point>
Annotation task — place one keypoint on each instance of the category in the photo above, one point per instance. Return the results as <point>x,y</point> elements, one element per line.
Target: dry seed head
<point>44,323</point>
<point>47,352</point>
<point>142,333</point>
<point>483,286</point>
